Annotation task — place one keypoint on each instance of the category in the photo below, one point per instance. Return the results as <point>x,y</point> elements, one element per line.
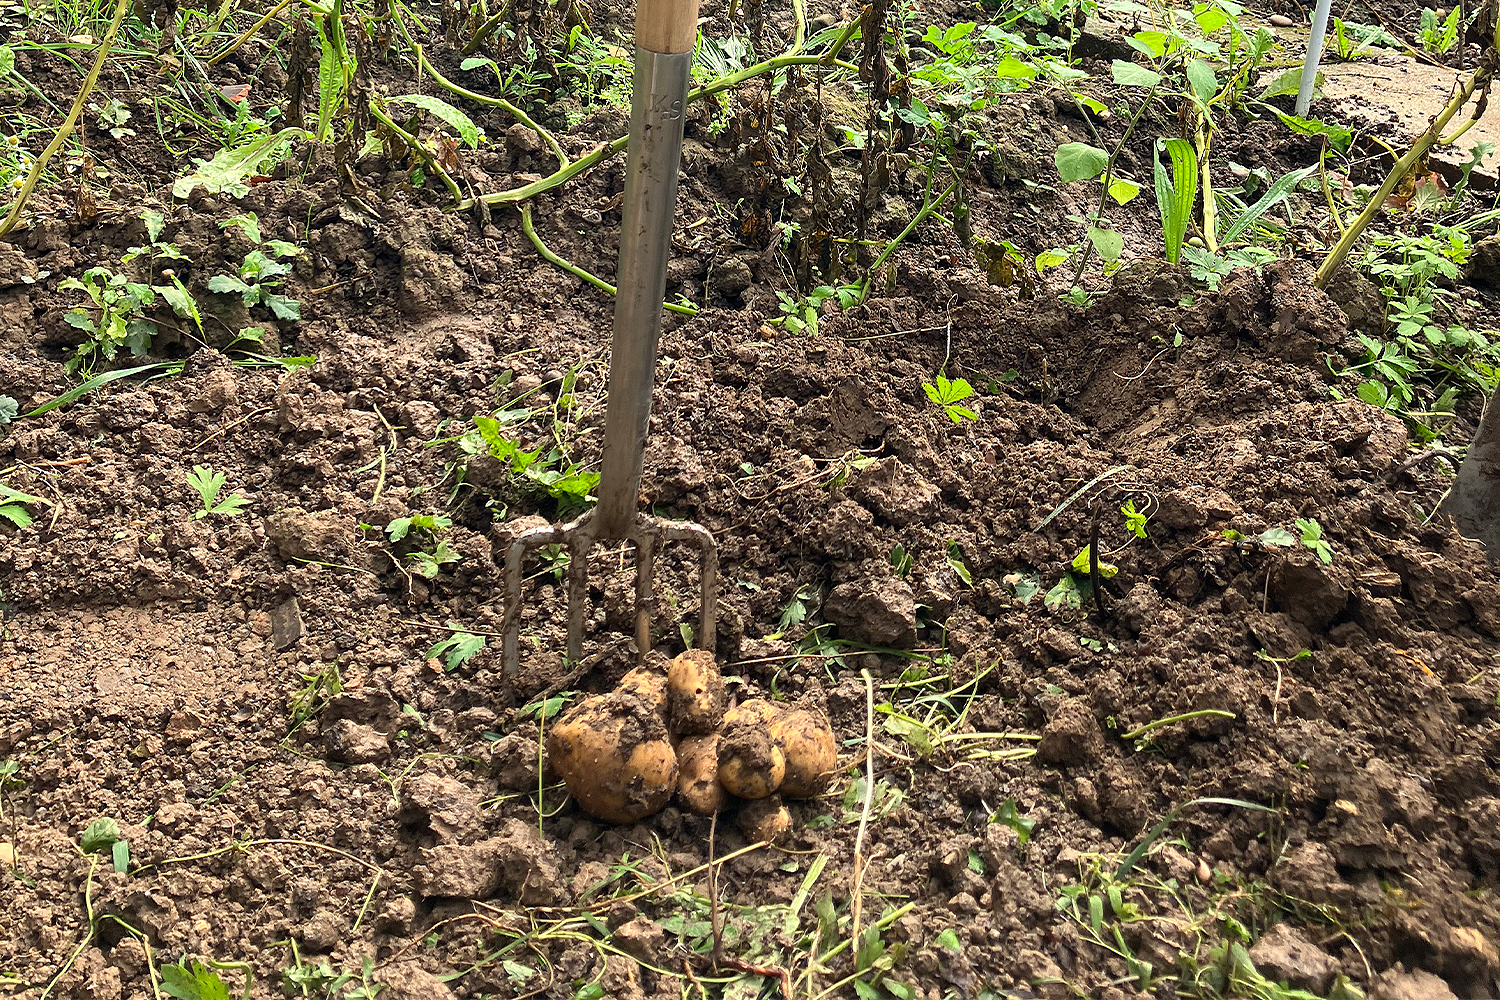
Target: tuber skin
<point>756,711</point>
<point>806,737</point>
<point>698,787</point>
<point>614,754</point>
<point>764,820</point>
<point>647,685</point>
<point>695,693</point>
<point>751,765</point>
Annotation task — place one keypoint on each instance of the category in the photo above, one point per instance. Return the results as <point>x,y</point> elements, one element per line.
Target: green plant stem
<point>483,32</point>
<point>1202,713</point>
<point>1479,82</point>
<point>442,81</point>
<point>428,160</point>
<point>578,272</point>
<point>71,122</point>
<point>927,209</point>
<point>1109,175</point>
<point>566,174</point>
<point>248,33</point>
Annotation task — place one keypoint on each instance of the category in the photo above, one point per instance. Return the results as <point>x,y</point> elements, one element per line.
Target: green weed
<point>950,396</point>
<point>425,552</point>
<point>262,271</point>
<point>209,483</point>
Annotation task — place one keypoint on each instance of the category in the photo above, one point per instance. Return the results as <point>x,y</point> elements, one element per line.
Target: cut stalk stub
<point>647,534</point>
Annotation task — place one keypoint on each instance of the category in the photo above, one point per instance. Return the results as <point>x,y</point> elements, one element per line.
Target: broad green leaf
<point>1202,78</point>
<point>1011,68</point>
<point>1149,43</point>
<point>1107,242</point>
<point>1278,537</point>
<point>1284,85</point>
<point>1077,161</point>
<point>99,836</point>
<point>948,941</point>
<point>1129,74</point>
<point>1055,257</point>
<point>282,306</point>
<point>7,59</point>
<point>1123,191</point>
<point>439,108</point>
<point>8,410</point>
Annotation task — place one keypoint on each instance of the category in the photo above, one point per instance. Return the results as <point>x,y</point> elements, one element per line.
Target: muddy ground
<point>153,672</point>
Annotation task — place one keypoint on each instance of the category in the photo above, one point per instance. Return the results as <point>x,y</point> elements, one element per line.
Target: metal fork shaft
<point>657,97</point>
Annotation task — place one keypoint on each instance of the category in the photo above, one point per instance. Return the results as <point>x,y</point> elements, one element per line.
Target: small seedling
<point>317,689</point>
<point>949,395</point>
<point>102,836</point>
<point>1135,521</point>
<point>901,561</point>
<point>260,272</point>
<point>456,650</point>
<point>8,409</point>
<point>429,553</point>
<point>12,506</point>
<point>194,981</point>
<point>958,565</point>
<point>208,483</point>
<point>1312,538</point>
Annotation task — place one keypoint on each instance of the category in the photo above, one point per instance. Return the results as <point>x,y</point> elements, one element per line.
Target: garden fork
<point>665,31</point>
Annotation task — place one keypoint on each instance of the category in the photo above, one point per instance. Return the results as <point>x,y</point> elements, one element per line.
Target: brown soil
<point>150,659</point>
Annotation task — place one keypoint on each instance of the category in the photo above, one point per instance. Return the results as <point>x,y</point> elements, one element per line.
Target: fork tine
<point>515,568</point>
<point>647,534</point>
<point>578,591</point>
<point>645,589</point>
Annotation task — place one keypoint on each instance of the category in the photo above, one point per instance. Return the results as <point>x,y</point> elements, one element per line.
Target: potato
<point>764,820</point>
<point>756,711</point>
<point>695,693</point>
<point>806,737</point>
<point>613,752</point>
<point>751,765</point>
<point>647,685</point>
<point>698,786</point>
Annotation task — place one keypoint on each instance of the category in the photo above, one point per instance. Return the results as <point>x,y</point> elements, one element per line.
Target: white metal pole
<point>1314,56</point>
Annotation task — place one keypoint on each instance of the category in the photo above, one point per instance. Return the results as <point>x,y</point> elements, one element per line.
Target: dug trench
<point>399,821</point>
<point>303,783</point>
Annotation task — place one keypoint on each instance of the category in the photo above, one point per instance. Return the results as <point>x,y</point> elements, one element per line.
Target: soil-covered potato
<point>751,765</point>
<point>695,693</point>
<point>764,819</point>
<point>806,737</point>
<point>698,787</point>
<point>613,752</point>
<point>647,685</point>
<point>756,711</point>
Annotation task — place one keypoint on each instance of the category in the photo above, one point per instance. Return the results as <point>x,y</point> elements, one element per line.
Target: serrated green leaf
<point>1277,537</point>
<point>192,982</point>
<point>228,168</point>
<point>7,60</point>
<point>282,307</point>
<point>16,514</point>
<point>439,108</point>
<point>227,284</point>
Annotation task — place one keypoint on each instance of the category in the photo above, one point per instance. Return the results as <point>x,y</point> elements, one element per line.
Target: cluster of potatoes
<point>625,754</point>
